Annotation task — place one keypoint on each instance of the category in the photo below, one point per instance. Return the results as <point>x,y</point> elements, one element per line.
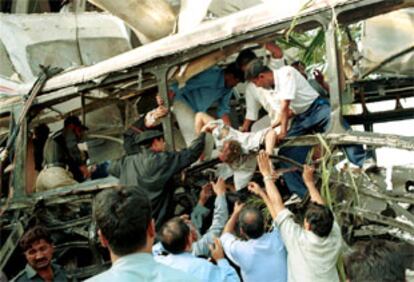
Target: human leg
<point>201,119</point>
<point>185,117</point>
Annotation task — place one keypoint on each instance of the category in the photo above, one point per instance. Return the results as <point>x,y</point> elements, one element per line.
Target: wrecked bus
<point>122,81</point>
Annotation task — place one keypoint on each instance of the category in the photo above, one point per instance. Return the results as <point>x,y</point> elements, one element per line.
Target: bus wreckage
<point>364,203</point>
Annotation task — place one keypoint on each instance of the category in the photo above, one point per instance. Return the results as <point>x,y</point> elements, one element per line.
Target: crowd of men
<point>135,221</point>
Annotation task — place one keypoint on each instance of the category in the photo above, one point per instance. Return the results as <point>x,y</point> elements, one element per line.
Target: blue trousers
<point>315,120</point>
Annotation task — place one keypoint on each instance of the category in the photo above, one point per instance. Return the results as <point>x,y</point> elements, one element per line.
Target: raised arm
<point>272,192</point>
<point>231,223</point>
<point>257,190</point>
<point>310,184</point>
<point>284,118</point>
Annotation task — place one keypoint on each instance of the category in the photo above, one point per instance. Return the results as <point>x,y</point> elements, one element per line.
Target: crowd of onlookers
<point>240,246</point>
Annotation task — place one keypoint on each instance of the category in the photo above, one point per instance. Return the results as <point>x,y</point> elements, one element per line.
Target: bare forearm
<point>274,197</point>
<point>231,223</point>
<point>226,119</point>
<point>268,204</point>
<point>247,123</point>
<point>284,118</point>
<point>314,193</point>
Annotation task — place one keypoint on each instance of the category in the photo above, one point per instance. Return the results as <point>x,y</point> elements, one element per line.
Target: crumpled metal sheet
<point>386,35</point>
<point>62,40</point>
<point>149,19</point>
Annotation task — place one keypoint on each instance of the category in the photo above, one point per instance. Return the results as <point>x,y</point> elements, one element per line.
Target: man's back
<point>140,267</point>
<point>200,268</point>
<point>315,256</point>
<point>261,259</point>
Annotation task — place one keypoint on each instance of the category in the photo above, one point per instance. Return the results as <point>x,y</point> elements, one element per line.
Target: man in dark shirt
<point>38,249</point>
<point>64,164</point>
<point>148,166</point>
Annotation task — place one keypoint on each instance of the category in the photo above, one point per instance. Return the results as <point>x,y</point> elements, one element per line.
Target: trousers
<point>314,120</point>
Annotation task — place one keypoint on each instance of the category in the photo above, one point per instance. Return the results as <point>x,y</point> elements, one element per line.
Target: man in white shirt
<point>257,97</point>
<point>125,227</point>
<point>311,114</point>
<point>313,249</point>
<point>262,256</point>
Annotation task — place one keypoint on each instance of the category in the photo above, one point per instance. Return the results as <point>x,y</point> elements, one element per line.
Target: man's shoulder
<point>21,277</point>
<point>171,274</point>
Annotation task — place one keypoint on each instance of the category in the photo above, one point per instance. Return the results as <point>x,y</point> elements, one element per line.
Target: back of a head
<point>251,222</point>
<point>34,234</point>
<point>123,216</point>
<point>173,235</point>
<point>235,71</point>
<point>320,219</point>
<point>245,57</point>
<point>375,260</point>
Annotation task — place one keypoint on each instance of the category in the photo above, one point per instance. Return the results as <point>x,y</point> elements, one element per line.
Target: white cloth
<point>140,267</point>
<point>249,141</point>
<point>310,257</point>
<point>261,259</point>
<point>291,85</point>
<point>244,169</point>
<point>256,98</point>
<point>200,268</point>
<point>53,177</point>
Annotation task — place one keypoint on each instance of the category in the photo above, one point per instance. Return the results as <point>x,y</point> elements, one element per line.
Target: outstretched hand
<point>205,194</point>
<point>264,163</point>
<point>216,250</point>
<point>254,188</point>
<point>219,187</point>
<point>308,173</point>
<point>238,206</point>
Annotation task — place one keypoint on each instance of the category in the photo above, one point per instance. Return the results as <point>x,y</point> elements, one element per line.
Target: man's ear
<point>151,229</point>
<point>102,239</point>
<point>306,225</point>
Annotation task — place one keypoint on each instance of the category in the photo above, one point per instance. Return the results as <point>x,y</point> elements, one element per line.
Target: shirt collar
<point>136,257</point>
<point>31,273</point>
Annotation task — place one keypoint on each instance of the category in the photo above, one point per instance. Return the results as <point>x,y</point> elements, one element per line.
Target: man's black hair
<point>251,222</point>
<point>174,234</point>
<point>123,216</point>
<point>245,57</point>
<point>234,70</point>
<point>36,233</point>
<point>320,219</point>
<point>375,260</point>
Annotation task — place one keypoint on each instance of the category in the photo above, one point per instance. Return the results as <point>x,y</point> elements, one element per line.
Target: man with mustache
<point>38,249</point>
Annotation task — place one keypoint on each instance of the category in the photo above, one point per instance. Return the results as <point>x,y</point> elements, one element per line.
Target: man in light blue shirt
<point>200,93</point>
<point>125,227</point>
<point>176,238</point>
<point>262,257</point>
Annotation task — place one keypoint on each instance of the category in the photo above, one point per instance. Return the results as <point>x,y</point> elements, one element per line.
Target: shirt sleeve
<point>232,247</point>
<point>72,146</point>
<point>177,161</point>
<point>275,63</point>
<point>115,168</point>
<point>252,105</point>
<point>287,84</point>
<point>228,274</point>
<point>220,217</point>
<point>198,214</point>
<point>289,230</point>
<point>224,101</point>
